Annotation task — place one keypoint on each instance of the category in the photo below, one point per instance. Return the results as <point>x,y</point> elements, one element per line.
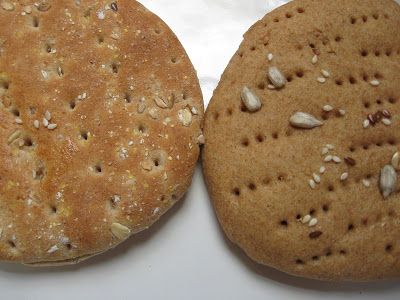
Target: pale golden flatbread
<point>101,112</point>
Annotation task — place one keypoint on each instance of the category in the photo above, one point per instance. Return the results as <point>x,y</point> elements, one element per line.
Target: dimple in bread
<point>302,141</point>
<point>101,113</point>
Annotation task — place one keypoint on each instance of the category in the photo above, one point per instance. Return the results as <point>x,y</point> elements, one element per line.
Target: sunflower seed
<point>344,176</point>
<point>185,117</point>
<point>43,6</point>
<point>276,77</point>
<point>388,180</point>
<point>53,249</point>
<point>141,106</point>
<point>153,112</point>
<point>7,6</point>
<point>304,120</point>
<point>47,115</point>
<point>15,135</point>
<point>163,102</point>
<point>396,160</point>
<point>120,231</point>
<point>250,100</point>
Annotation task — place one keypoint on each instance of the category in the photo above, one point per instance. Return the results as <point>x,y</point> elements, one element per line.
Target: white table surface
<point>185,255</point>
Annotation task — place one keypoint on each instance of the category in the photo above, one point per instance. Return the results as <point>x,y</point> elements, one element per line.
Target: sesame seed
<point>47,115</point>
<point>342,112</point>
<point>45,122</point>
<point>52,126</point>
<point>375,82</point>
<point>327,108</point>
<point>312,184</point>
<point>36,123</point>
<point>366,182</point>
<point>18,120</point>
<point>366,123</point>
<point>336,159</point>
<point>313,222</point>
<point>314,60</point>
<point>396,160</point>
<point>386,121</point>
<point>322,169</point>
<point>316,178</point>
<point>344,176</point>
<point>328,158</point>
<point>330,146</point>
<point>306,219</point>
<point>325,73</point>
<point>325,151</point>
<point>114,6</point>
<point>321,79</point>
<point>386,113</point>
<point>270,56</point>
<point>271,87</point>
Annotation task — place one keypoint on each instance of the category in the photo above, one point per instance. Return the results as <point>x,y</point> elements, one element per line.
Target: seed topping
<point>304,120</point>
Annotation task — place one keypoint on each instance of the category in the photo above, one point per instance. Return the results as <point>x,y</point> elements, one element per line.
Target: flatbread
<point>101,112</point>
<point>301,141</point>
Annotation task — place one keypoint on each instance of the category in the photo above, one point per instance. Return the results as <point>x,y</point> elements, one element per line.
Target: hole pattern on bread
<point>102,113</point>
<point>338,78</point>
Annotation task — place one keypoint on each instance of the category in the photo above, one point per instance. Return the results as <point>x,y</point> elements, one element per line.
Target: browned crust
<point>110,160</point>
<point>257,166</point>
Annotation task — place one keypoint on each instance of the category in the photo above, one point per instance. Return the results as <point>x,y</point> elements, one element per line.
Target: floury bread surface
<point>101,114</point>
<point>302,139</point>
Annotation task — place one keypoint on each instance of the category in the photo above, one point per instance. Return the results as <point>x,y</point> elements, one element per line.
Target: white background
<point>185,255</point>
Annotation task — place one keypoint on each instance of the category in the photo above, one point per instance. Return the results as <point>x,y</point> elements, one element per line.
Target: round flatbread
<point>302,139</point>
<point>101,112</point>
